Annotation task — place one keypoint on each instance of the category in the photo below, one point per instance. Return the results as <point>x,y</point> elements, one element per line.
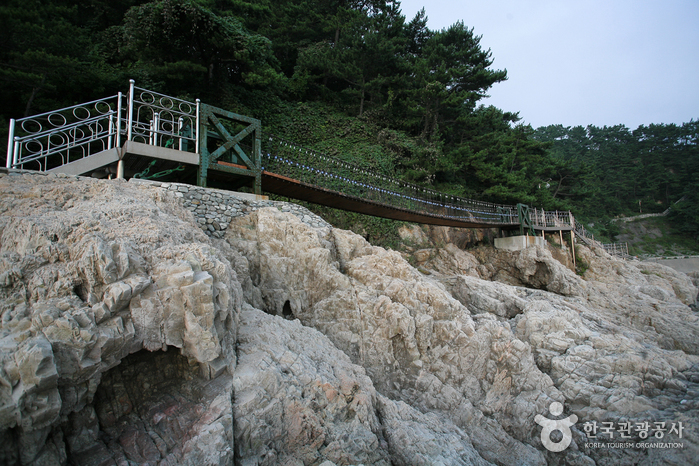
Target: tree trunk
<point>35,91</point>
<point>435,120</point>
<point>558,188</point>
<point>361,100</point>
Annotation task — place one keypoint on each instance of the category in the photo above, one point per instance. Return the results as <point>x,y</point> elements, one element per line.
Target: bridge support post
<point>204,158</point>
<point>525,220</point>
<point>11,144</point>
<point>257,184</point>
<point>230,131</point>
<point>120,169</point>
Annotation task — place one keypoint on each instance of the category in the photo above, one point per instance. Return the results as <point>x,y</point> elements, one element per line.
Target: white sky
<point>582,62</point>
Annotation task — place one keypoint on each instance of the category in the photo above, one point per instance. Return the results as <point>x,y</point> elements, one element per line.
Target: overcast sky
<point>582,62</point>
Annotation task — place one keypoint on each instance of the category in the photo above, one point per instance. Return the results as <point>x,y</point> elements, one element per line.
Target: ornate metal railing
<point>161,120</point>
<point>51,139</point>
<point>45,141</point>
<point>284,158</point>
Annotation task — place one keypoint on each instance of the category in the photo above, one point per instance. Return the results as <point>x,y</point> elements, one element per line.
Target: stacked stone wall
<point>214,209</point>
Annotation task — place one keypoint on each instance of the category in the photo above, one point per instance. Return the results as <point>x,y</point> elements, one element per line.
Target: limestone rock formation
<point>299,400</point>
<point>417,343</point>
<point>428,236</point>
<point>498,354</point>
<point>129,336</point>
<point>93,272</point>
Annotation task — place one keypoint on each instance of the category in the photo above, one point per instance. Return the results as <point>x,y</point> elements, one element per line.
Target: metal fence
<point>161,120</point>
<point>551,219</point>
<point>584,234</point>
<point>617,249</point>
<point>49,140</point>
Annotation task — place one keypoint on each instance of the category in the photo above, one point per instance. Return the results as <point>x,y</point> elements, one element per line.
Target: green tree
<point>451,73</point>
<point>500,161</point>
<point>45,58</point>
<point>362,59</point>
<point>182,45</point>
<point>685,211</point>
<point>574,177</point>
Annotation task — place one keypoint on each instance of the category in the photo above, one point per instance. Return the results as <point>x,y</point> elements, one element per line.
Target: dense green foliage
<point>624,172</point>
<point>352,78</point>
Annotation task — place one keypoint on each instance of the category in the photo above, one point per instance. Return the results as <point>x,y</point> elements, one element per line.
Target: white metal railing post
<point>129,131</point>
<point>150,131</point>
<point>10,143</point>
<point>180,124</point>
<point>15,155</point>
<point>196,142</point>
<point>129,127</point>
<point>118,128</point>
<point>156,128</point>
<point>110,139</point>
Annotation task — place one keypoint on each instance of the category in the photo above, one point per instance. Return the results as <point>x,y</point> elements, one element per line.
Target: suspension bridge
<point>146,134</point>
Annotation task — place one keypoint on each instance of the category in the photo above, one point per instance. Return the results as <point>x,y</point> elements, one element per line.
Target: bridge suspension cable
<point>311,167</point>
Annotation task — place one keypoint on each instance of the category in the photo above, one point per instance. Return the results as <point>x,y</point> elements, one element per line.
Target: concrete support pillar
<point>120,169</point>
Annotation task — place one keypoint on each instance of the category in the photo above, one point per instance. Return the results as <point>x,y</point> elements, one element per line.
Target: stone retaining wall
<point>214,209</point>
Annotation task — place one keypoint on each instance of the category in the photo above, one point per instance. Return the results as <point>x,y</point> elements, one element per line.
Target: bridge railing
<point>617,249</point>
<point>52,139</point>
<point>552,219</point>
<point>585,235</point>
<point>311,167</point>
<point>41,142</point>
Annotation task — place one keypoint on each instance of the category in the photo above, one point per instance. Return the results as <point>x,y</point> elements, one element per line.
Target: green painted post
<point>203,147</point>
<point>258,159</point>
<point>525,221</point>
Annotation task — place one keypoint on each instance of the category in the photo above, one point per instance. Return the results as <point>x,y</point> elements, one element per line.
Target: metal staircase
<point>86,137</point>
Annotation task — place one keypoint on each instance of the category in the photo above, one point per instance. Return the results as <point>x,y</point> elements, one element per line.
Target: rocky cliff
<point>135,331</point>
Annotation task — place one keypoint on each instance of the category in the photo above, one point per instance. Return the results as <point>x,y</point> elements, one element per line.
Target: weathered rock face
<point>129,336</point>
<point>428,236</point>
<point>619,345</point>
<point>157,408</point>
<point>649,297</point>
<point>300,400</point>
<point>417,343</point>
<point>92,272</point>
<point>497,356</point>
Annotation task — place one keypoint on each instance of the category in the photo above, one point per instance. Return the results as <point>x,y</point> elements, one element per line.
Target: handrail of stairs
<point>60,136</point>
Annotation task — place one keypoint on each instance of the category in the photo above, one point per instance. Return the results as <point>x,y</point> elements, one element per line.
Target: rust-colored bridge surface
<point>285,186</point>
